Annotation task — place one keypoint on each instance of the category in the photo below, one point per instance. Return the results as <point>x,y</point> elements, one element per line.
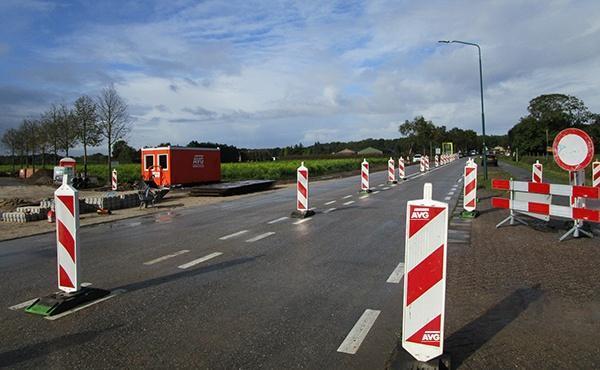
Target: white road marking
<point>329,210</point>
<point>396,275</point>
<point>199,260</point>
<point>447,198</point>
<point>277,220</point>
<point>358,333</point>
<point>22,305</point>
<point>133,224</point>
<point>259,237</point>
<point>347,196</point>
<point>330,202</point>
<point>380,185</point>
<point>348,203</point>
<point>451,193</point>
<point>376,192</point>
<point>164,258</point>
<point>394,185</point>
<point>386,188</point>
<point>301,221</point>
<point>233,235</point>
<point>111,295</point>
<point>363,196</point>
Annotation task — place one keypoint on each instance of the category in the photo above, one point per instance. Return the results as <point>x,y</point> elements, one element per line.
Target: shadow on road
<point>185,274</point>
<point>40,349</point>
<point>467,340</point>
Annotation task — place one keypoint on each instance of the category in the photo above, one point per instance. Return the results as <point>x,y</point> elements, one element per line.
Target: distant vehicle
<point>417,158</point>
<point>473,152</point>
<point>491,160</point>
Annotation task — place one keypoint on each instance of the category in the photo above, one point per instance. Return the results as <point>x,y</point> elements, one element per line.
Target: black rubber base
<point>405,361</point>
<point>365,191</point>
<point>303,214</point>
<point>56,303</point>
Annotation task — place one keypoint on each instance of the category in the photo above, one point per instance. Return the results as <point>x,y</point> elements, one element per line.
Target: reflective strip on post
<point>391,170</point>
<point>425,277</point>
<point>114,179</point>
<point>470,186</point>
<point>364,175</point>
<point>401,168</point>
<point>596,174</point>
<point>537,170</point>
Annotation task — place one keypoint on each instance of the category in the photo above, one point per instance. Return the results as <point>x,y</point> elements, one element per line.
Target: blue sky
<point>275,73</point>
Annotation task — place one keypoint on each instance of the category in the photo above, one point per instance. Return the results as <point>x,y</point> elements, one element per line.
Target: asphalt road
<point>281,294</point>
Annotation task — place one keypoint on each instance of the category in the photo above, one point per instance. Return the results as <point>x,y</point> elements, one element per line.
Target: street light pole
<point>485,170</point>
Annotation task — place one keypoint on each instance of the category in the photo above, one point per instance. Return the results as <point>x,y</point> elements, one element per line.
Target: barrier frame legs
<point>575,230</point>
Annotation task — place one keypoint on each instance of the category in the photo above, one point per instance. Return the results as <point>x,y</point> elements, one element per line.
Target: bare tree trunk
<point>85,161</point>
<point>109,162</point>
<point>13,160</point>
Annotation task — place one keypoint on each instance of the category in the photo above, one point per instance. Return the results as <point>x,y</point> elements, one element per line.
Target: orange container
<point>172,165</point>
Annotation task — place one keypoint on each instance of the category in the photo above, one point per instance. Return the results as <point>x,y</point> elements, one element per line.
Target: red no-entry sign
<point>573,149</point>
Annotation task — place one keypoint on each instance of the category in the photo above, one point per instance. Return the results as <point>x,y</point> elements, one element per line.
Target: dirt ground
<point>176,199</point>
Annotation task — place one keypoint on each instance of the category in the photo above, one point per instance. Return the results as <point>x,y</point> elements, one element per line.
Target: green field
<point>275,170</point>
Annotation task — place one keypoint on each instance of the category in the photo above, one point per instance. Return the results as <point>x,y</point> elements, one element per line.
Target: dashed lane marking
<point>376,192</point>
<point>199,260</point>
<point>233,235</point>
<point>363,196</point>
<point>277,220</point>
<point>380,185</point>
<point>397,274</point>
<point>358,333</point>
<point>164,258</point>
<point>329,210</point>
<point>330,202</point>
<point>259,237</point>
<point>347,196</point>
<point>348,203</point>
<point>447,198</point>
<point>386,188</point>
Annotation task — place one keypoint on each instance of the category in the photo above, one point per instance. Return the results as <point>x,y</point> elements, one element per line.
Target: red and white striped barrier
<point>391,171</point>
<point>302,188</point>
<point>364,176</point>
<point>573,213</point>
<point>401,172</point>
<point>437,160</point>
<point>537,170</point>
<point>470,186</point>
<point>545,188</point>
<point>422,164</point>
<point>426,163</point>
<point>114,180</point>
<point>66,208</point>
<point>425,277</point>
<point>596,174</point>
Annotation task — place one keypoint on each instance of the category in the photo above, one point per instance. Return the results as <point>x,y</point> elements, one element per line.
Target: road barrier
<point>425,277</point>
<point>596,174</point>
<point>114,180</point>
<point>426,163</point>
<point>302,193</point>
<point>66,207</point>
<point>437,160</point>
<point>537,170</point>
<point>401,172</point>
<point>576,212</point>
<point>422,164</point>
<point>364,177</point>
<point>470,190</point>
<point>391,171</point>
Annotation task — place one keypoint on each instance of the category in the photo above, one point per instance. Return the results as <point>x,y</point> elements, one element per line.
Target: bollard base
<point>303,214</point>
<point>469,214</point>
<point>405,361</point>
<point>59,302</point>
<point>365,191</point>
<point>392,182</point>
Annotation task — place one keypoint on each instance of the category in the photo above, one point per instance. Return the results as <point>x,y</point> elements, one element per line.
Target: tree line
<point>547,116</point>
<point>89,122</point>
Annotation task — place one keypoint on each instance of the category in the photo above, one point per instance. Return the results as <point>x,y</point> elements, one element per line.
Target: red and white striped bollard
<point>537,170</point>
<point>66,208</point>
<point>424,294</point>
<point>470,189</point>
<point>401,168</point>
<point>437,160</point>
<point>422,164</point>
<point>391,171</point>
<point>426,163</point>
<point>364,176</point>
<point>302,193</point>
<point>114,180</point>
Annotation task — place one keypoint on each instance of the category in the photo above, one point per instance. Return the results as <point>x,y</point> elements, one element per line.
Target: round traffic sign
<point>573,149</point>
